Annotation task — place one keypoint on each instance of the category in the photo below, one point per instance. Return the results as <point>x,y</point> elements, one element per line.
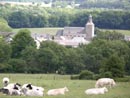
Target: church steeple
<point>89,28</point>
<point>90,18</point>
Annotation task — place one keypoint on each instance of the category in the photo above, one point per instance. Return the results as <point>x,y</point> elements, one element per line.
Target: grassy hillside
<point>76,87</point>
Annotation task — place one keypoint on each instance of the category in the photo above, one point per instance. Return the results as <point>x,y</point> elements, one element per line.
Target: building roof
<point>59,33</point>
<point>73,30</point>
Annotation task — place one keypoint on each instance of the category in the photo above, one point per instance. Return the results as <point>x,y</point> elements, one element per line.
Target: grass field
<point>125,32</point>
<point>76,87</point>
<point>53,31</point>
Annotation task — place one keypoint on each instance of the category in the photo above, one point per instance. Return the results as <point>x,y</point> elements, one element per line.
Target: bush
<point>5,68</point>
<point>107,74</point>
<point>124,79</point>
<point>18,65</point>
<point>74,77</point>
<point>4,27</point>
<point>85,74</point>
<point>96,76</point>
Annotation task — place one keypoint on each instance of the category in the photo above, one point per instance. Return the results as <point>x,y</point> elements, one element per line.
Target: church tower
<point>89,28</point>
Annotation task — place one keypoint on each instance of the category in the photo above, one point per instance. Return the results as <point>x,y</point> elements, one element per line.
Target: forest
<point>107,4</point>
<point>32,16</point>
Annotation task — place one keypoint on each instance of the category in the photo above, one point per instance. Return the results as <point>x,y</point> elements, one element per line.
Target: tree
<point>4,27</point>
<point>53,20</point>
<point>109,19</point>
<point>109,35</point>
<point>47,60</point>
<point>20,41</point>
<point>98,51</point>
<point>63,20</point>
<point>37,20</point>
<point>29,54</point>
<point>60,52</point>
<point>18,19</point>
<point>5,51</point>
<point>80,19</point>
<point>17,65</point>
<point>72,62</point>
<point>115,65</point>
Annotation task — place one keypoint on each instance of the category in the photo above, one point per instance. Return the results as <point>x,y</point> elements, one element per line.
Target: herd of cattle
<point>31,90</point>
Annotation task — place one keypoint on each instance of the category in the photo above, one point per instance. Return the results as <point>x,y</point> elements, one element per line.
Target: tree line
<point>108,54</point>
<point>112,4</point>
<point>30,17</point>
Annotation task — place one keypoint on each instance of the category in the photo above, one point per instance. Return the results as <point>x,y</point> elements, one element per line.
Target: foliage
<point>113,4</point>
<point>73,62</point>
<point>33,16</point>
<point>109,35</point>
<point>85,74</point>
<point>124,79</point>
<point>47,60</point>
<point>5,51</point>
<point>21,40</point>
<point>5,68</point>
<point>106,74</point>
<point>4,27</point>
<point>17,65</point>
<point>74,77</point>
<point>115,66</point>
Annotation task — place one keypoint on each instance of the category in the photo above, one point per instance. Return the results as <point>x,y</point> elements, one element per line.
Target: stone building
<point>70,36</point>
<point>86,32</point>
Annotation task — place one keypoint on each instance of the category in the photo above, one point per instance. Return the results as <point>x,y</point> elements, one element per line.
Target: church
<point>73,36</point>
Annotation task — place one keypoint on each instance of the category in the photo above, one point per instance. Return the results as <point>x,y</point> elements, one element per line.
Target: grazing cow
<point>96,91</point>
<point>31,90</point>
<point>5,81</point>
<point>105,82</point>
<point>59,91</point>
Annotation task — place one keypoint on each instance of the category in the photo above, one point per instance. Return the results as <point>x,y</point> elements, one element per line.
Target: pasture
<point>125,32</point>
<point>52,31</point>
<point>76,87</point>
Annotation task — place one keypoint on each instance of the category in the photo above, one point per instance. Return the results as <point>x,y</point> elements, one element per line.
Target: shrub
<point>18,65</point>
<point>96,76</point>
<point>5,68</point>
<point>124,79</point>
<point>107,74</point>
<point>74,77</point>
<point>85,74</point>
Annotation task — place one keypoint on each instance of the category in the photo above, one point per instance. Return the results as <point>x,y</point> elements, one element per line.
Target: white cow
<point>31,90</point>
<point>105,82</point>
<point>59,91</point>
<point>96,91</point>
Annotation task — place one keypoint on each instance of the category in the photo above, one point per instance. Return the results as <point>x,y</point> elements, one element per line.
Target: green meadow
<point>125,32</point>
<point>53,31</point>
<point>76,87</point>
